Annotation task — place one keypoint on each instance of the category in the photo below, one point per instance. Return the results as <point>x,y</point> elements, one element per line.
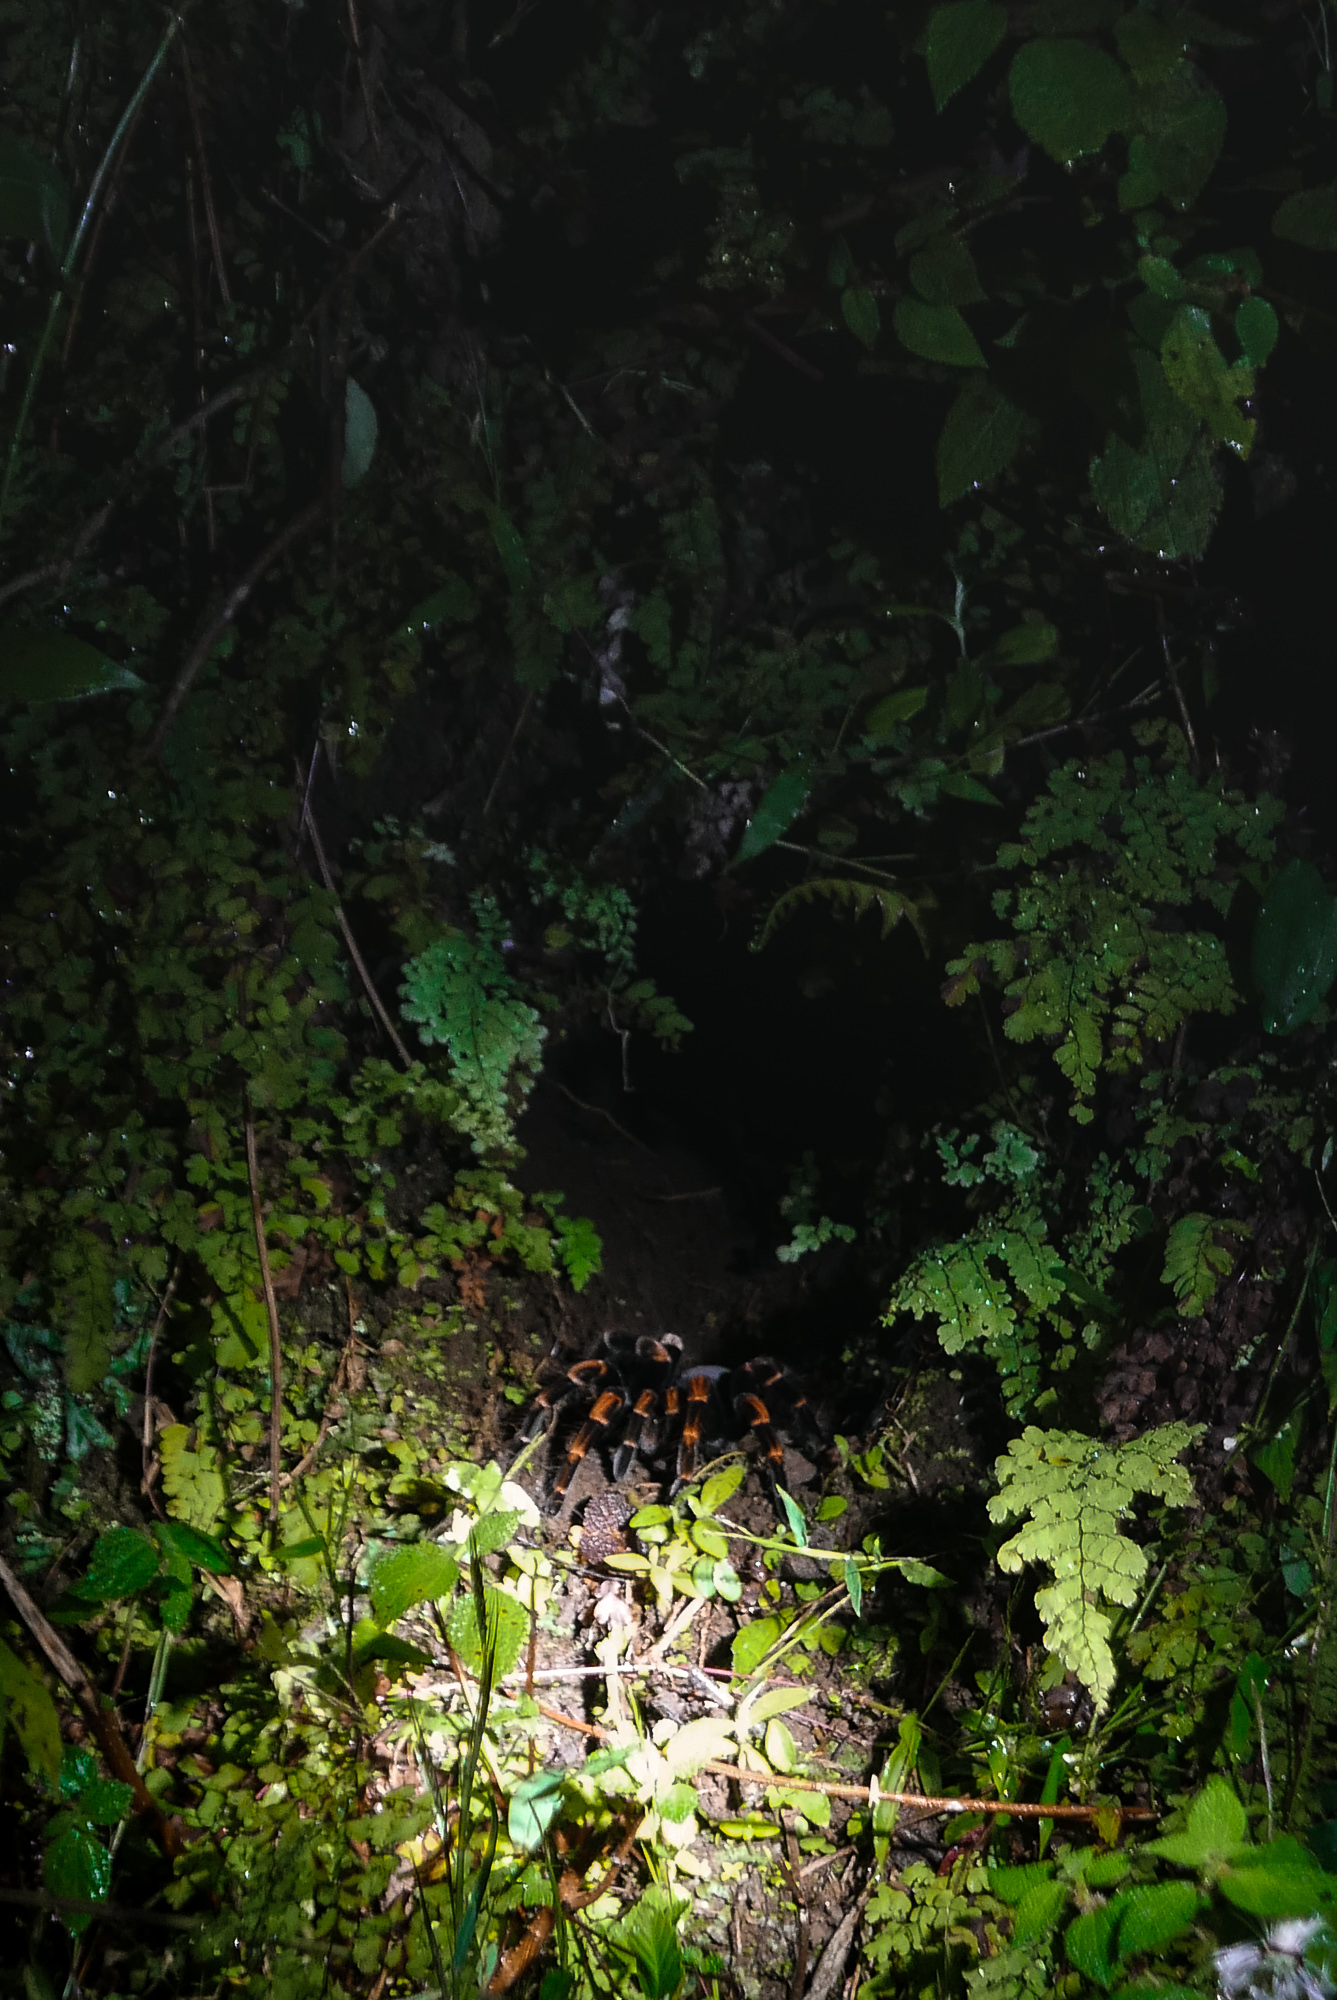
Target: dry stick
<point>597,1111</point>
<point>227,611</point>
<point>146,1442</point>
<point>873,1794</point>
<point>831,1964</point>
<point>102,1721</point>
<point>206,184</point>
<point>275,1345</point>
<point>520,720</point>
<point>378,1006</point>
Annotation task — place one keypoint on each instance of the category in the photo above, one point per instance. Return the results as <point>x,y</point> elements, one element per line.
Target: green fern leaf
<point>1076,1491</point>
<point>856,898</point>
<point>1195,1263</point>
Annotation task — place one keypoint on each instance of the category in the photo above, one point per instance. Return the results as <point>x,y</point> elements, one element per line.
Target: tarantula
<point>640,1401</point>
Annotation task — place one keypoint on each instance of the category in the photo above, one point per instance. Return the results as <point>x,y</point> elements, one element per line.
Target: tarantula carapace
<point>638,1399</point>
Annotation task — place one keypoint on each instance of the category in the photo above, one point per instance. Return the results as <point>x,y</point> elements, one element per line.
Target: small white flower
<point>1277,1968</point>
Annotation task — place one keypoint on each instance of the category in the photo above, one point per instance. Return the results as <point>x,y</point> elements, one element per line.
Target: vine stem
<point>71,257</point>
<point>275,1344</point>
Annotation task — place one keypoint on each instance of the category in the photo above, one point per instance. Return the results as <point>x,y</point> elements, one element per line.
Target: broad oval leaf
<point>1068,97</point>
<point>861,314</point>
<point>420,1574</point>
<point>360,432</point>
<point>55,666</point>
<point>981,435</point>
<point>960,39</point>
<point>1309,218</point>
<point>944,273</point>
<point>122,1561</point>
<point>1295,947</point>
<point>1256,329</point>
<point>938,333</point>
<point>780,804</point>
<point>1201,376</point>
<point>507,1630</point>
<point>894,709</point>
<point>77,1865</point>
<point>1154,1913</point>
<point>34,201</point>
<point>1184,126</point>
<point>534,1805</point>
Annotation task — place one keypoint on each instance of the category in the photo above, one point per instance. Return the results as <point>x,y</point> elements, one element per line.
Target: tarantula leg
<point>607,1408</point>
<point>693,1400</point>
<point>770,1382</point>
<point>755,1418</point>
<point>657,1360</point>
<point>582,1375</point>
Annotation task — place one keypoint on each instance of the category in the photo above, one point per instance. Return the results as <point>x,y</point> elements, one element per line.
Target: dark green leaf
<point>1201,376</point>
<point>123,1561</point>
<point>1089,1943</point>
<point>1024,645</point>
<point>1068,97</point>
<point>861,314</point>
<point>1184,125</point>
<point>360,431</point>
<point>493,1531</point>
<point>1039,1908</point>
<point>1152,1914</point>
<point>1275,1457</point>
<point>1217,1826</point>
<point>201,1551</point>
<point>653,1939</point>
<point>1256,330</point>
<point>854,1585</point>
<point>1282,1879</point>
<point>55,666</point>
<point>34,202</point>
<point>960,785</point>
<point>1294,947</point>
<point>454,603</point>
<point>894,709</point>
<point>1309,219</point>
<point>938,333</point>
<point>780,804</point>
<point>981,435</point>
<point>960,39</point>
<point>508,1628</point>
<point>945,274</point>
<point>105,1801</point>
<point>419,1574</point>
<point>76,1864</point>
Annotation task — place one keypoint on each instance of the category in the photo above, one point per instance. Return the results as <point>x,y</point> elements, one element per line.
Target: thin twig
<point>308,825</point>
<point>206,184</point>
<point>227,611</point>
<point>103,1721</point>
<point>275,1342</point>
<point>597,1111</point>
<point>927,1805</point>
<point>520,720</point>
<point>148,1470</point>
